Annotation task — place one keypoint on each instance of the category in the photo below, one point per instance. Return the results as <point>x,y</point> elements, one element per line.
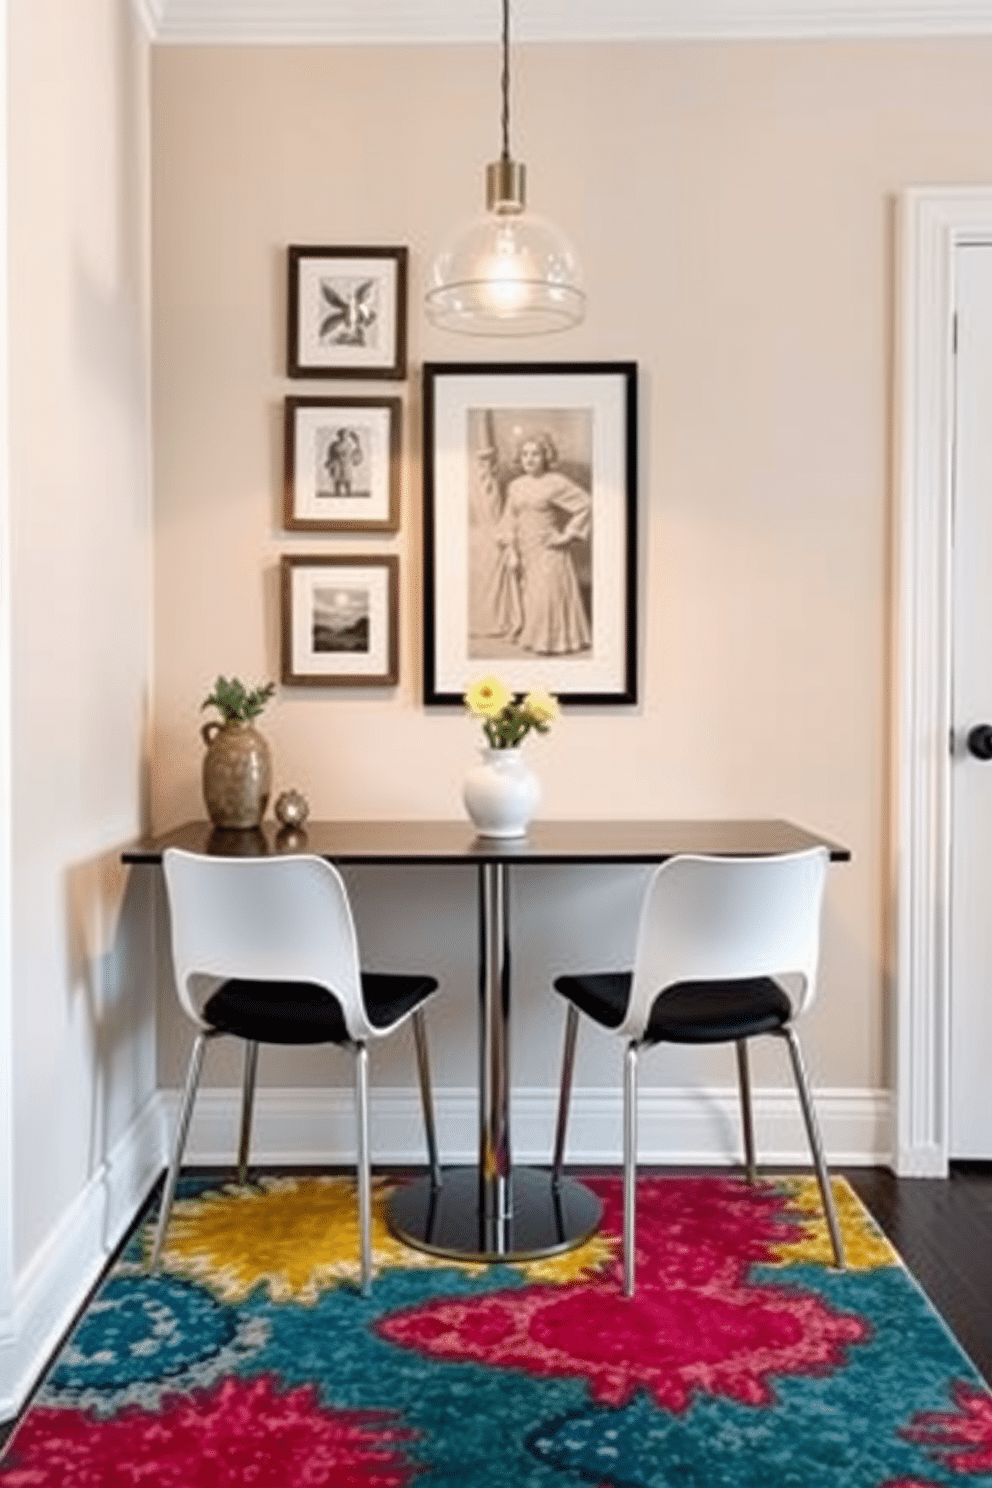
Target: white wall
<point>81,1020</point>
<point>733,204</point>
<point>6,1004</point>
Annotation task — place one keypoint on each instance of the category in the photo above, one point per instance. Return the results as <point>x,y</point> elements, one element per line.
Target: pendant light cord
<point>505,84</point>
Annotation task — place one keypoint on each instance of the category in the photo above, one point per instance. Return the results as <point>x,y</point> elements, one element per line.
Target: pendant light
<point>507,272</point>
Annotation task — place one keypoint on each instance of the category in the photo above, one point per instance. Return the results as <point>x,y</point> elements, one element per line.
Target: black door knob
<point>980,741</point>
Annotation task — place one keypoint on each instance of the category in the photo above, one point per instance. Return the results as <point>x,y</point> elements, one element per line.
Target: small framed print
<point>347,312</point>
<point>339,621</point>
<point>342,458</point>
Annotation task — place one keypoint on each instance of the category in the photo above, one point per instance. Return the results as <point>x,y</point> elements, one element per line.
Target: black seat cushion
<point>603,995</point>
<point>388,997</point>
<point>303,1013</point>
<point>688,1013</point>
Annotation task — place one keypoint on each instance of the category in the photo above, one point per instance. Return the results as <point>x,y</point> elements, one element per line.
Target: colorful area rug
<point>251,1361</point>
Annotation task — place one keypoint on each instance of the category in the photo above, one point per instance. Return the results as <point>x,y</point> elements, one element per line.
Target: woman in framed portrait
<point>544,516</point>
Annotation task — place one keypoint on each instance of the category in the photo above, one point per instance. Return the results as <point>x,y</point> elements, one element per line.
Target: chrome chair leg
<point>815,1144</point>
<point>247,1106</point>
<point>427,1096</point>
<point>747,1110</point>
<point>182,1131</point>
<point>629,1166</point>
<point>364,1166</point>
<point>565,1092</point>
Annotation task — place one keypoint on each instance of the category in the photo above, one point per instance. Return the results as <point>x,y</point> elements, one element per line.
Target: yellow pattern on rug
<point>298,1237</point>
<point>865,1247</point>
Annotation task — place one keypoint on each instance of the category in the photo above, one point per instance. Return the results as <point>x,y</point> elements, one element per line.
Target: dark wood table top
<point>447,842</point>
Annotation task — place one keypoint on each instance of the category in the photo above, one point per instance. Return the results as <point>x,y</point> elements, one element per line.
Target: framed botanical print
<point>347,312</point>
<point>340,620</point>
<point>530,528</point>
<point>341,464</point>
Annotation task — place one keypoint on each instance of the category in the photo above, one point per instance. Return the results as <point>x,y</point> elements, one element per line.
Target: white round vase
<point>501,793</point>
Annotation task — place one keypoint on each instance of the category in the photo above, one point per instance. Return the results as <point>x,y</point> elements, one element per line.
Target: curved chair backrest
<point>264,919</point>
<point>723,919</point>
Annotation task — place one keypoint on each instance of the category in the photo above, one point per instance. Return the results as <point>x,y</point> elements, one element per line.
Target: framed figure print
<point>342,458</point>
<point>530,528</point>
<point>340,621</point>
<point>347,312</point>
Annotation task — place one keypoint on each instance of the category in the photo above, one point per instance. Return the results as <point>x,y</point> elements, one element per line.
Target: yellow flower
<point>487,697</point>
<point>541,706</point>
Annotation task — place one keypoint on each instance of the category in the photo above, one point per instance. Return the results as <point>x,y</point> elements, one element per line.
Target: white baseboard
<point>49,1292</point>
<point>674,1126</point>
<point>924,1160</point>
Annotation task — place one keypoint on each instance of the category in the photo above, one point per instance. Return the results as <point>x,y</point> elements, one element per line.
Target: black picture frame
<point>346,312</point>
<point>499,597</point>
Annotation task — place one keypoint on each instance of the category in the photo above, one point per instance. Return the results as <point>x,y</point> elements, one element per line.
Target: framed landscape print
<point>342,459</point>
<point>339,621</point>
<point>347,312</point>
<point>530,528</point>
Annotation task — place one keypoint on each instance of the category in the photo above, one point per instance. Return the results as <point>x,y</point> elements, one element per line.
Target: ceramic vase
<point>237,774</point>
<point>501,793</point>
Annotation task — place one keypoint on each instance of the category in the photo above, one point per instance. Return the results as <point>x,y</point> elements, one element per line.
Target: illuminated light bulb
<point>508,272</point>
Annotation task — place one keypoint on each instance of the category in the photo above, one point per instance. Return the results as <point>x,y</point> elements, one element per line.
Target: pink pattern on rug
<point>244,1431</point>
<point>696,1326</point>
<point>969,1429</point>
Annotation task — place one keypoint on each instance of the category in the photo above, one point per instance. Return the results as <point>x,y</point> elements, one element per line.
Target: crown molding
<point>150,15</point>
<point>363,22</point>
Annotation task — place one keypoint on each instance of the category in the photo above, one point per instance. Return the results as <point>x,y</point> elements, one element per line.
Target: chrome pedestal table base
<point>494,1212</point>
<point>450,1221</point>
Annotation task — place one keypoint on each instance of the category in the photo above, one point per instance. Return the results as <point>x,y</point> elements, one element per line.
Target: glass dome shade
<point>507,273</point>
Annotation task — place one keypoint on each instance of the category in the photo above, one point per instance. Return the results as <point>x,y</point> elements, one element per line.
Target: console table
<point>493,1211</point>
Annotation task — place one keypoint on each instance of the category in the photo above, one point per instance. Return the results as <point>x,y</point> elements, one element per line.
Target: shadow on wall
<point>423,919</point>
<point>110,974</point>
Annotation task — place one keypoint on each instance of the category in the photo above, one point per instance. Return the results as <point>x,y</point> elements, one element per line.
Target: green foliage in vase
<point>234,702</point>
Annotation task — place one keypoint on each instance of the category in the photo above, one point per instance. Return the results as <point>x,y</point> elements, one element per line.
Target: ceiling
<point>350,22</point>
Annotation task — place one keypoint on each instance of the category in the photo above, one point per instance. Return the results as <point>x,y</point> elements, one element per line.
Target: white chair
<point>727,948</point>
<point>265,949</point>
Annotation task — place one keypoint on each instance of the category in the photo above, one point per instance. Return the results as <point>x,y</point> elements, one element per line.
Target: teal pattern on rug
<point>744,1361</point>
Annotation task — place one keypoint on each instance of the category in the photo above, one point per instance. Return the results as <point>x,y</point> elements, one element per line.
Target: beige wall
<point>82,1021</point>
<point>734,208</point>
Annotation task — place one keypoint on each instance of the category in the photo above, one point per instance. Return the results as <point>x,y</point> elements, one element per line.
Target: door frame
<point>933,222</point>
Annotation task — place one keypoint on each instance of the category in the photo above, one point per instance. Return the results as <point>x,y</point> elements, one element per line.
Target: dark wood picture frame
<point>344,632</point>
<point>346,312</point>
<point>341,466</point>
<point>499,596</point>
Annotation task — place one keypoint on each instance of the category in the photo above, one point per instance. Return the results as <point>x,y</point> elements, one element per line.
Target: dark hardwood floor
<point>942,1228</point>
